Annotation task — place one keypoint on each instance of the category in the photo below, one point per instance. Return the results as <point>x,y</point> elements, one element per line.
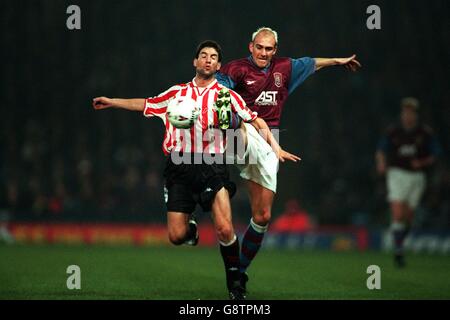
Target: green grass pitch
<point>177,273</point>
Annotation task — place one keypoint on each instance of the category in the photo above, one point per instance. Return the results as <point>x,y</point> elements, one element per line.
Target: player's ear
<point>194,63</point>
<point>250,46</point>
<point>218,66</point>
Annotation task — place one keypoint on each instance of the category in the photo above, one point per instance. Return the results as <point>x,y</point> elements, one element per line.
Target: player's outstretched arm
<point>423,163</point>
<point>380,161</point>
<point>128,104</point>
<point>349,63</point>
<point>264,130</point>
<point>284,155</point>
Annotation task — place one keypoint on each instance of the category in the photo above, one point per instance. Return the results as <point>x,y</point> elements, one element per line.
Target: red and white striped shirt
<point>204,136</point>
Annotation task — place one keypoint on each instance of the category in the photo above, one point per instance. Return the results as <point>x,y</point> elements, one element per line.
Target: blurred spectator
<point>293,219</point>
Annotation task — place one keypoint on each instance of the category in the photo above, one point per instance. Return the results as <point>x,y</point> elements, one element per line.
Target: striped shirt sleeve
<point>157,106</point>
<point>238,106</point>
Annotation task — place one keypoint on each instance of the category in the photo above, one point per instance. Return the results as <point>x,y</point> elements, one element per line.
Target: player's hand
<point>381,168</point>
<point>349,63</point>
<point>284,155</point>
<point>102,103</point>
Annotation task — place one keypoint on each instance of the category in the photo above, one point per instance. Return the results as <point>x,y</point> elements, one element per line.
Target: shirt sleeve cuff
<point>254,115</point>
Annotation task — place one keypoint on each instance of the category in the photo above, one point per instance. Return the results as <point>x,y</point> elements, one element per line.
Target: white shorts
<point>405,186</point>
<point>261,162</point>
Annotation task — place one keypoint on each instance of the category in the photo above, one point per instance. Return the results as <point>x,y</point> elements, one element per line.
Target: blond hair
<point>410,102</point>
<point>265,30</point>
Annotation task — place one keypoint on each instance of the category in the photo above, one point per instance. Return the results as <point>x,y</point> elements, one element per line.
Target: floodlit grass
<point>166,273</point>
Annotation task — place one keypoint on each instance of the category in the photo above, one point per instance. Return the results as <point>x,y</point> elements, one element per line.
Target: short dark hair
<point>209,44</point>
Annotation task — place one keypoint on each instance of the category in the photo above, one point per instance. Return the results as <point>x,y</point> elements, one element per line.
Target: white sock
<point>257,227</point>
<point>229,243</point>
<point>398,226</point>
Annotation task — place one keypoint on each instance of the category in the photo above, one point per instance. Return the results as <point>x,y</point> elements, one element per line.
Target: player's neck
<point>203,82</point>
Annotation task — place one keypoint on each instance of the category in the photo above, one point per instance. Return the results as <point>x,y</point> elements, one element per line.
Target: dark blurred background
<point>63,161</point>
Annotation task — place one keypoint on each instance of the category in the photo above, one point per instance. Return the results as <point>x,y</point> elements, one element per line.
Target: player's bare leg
<point>221,215</point>
<point>229,243</point>
<point>409,215</point>
<point>261,200</point>
<point>179,228</point>
<point>401,215</point>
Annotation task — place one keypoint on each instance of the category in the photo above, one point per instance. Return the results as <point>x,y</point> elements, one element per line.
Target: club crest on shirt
<point>278,77</point>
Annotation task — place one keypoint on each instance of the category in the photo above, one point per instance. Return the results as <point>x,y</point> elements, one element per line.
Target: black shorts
<point>187,185</point>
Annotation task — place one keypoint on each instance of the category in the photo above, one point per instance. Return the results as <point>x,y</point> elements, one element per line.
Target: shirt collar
<point>202,90</point>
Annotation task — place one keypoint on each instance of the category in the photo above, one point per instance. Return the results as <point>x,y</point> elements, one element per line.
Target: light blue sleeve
<point>225,80</point>
<point>435,147</point>
<point>302,68</point>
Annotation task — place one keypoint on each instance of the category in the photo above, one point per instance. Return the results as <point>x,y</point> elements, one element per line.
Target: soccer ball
<point>182,112</point>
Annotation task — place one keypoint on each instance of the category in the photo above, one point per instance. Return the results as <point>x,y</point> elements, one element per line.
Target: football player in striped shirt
<point>187,184</point>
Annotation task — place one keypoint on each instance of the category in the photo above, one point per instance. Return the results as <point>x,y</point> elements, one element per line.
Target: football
<point>182,112</point>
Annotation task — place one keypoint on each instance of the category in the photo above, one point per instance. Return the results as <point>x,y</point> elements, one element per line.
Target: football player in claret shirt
<point>404,153</point>
<point>206,184</point>
<point>265,81</point>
